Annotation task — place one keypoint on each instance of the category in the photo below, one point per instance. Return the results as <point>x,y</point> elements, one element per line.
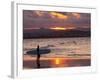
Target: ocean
<point>60,47</point>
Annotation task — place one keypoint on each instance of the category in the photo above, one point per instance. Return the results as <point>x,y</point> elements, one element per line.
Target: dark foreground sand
<point>30,62</point>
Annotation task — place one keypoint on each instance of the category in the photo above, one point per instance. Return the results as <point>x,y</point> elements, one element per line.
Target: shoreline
<point>30,63</point>
<point>29,57</point>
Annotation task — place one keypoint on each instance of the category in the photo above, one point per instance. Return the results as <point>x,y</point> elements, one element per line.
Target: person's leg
<point>38,62</point>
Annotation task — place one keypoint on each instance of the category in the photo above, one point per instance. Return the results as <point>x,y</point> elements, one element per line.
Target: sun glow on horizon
<point>62,28</point>
<point>58,28</point>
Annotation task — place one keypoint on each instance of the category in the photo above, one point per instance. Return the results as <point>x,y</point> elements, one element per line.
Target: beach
<point>29,62</point>
<point>57,52</point>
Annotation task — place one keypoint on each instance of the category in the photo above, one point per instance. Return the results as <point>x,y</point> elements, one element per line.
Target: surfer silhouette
<point>38,57</point>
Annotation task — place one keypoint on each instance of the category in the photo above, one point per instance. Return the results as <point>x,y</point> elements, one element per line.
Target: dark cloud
<point>48,19</point>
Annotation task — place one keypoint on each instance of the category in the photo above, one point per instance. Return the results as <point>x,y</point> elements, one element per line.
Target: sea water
<point>60,47</point>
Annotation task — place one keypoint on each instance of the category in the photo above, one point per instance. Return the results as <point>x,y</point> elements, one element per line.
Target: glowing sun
<point>58,28</point>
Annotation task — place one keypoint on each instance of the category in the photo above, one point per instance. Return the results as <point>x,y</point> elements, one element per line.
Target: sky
<point>34,19</point>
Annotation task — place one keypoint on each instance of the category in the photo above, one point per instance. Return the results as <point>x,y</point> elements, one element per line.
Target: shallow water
<point>60,47</point>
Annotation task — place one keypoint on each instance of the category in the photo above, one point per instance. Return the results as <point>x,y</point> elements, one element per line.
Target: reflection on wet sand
<point>30,63</point>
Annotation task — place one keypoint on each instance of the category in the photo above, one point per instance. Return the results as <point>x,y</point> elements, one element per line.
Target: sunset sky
<point>55,20</point>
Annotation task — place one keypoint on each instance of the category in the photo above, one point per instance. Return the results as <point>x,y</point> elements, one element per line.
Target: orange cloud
<point>39,13</point>
<point>77,15</point>
<point>58,15</point>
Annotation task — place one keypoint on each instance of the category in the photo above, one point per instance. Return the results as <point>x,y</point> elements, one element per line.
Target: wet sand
<point>29,62</point>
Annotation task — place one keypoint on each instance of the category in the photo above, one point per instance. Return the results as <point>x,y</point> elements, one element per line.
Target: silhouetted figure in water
<point>38,57</point>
